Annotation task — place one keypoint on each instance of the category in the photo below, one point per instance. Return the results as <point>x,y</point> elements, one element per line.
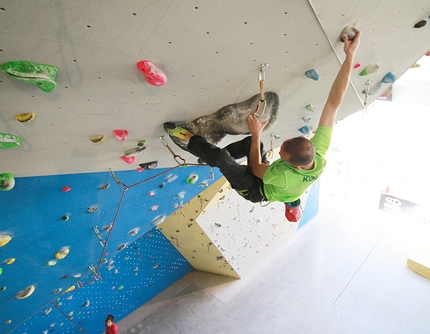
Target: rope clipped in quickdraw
<point>261,107</point>
<point>120,184</point>
<point>366,97</point>
<point>273,137</point>
<point>178,158</point>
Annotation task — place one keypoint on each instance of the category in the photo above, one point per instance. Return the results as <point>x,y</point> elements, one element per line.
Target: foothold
<point>372,68</point>
<point>133,232</point>
<point>348,31</point>
<point>310,107</point>
<point>152,193</point>
<point>180,195</point>
<point>121,247</point>
<point>171,177</point>
<point>192,179</point>
<point>427,53</point>
<point>149,165</point>
<point>98,139</point>
<point>374,89</point>
<point>41,75</point>
<point>306,130</point>
<point>48,311</point>
<point>62,253</point>
<point>121,135</point>
<point>7,181</point>
<point>153,75</point>
<point>8,140</point>
<point>26,117</point>
<point>86,304</point>
<point>306,118</point>
<point>416,65</point>
<point>389,78</point>
<point>357,66</point>
<point>70,289</point>
<point>66,189</point>
<point>104,186</point>
<point>204,184</point>
<point>4,239</point>
<point>2,288</point>
<point>51,263</point>
<point>154,207</point>
<point>65,218</point>
<point>158,220</point>
<point>57,291</point>
<point>8,322</point>
<point>92,209</point>
<point>27,292</point>
<point>77,275</point>
<point>130,160</point>
<point>312,74</point>
<point>10,260</point>
<point>420,24</point>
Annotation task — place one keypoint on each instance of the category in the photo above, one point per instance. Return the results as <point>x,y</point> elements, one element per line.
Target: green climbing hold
<point>7,140</point>
<point>41,75</point>
<point>7,181</point>
<point>192,179</point>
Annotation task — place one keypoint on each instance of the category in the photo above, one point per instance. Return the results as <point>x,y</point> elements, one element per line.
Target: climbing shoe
<point>293,211</point>
<point>175,130</point>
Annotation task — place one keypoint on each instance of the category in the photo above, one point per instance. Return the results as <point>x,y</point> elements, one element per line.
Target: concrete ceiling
<point>211,52</point>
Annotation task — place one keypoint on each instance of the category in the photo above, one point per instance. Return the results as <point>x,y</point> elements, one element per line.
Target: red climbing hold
<point>66,189</point>
<point>121,135</point>
<point>152,73</point>
<point>129,160</point>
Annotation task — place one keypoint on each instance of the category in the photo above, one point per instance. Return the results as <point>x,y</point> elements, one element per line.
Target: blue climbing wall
<point>312,204</point>
<point>136,264</point>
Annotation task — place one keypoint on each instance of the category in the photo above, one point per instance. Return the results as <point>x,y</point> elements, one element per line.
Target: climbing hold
<point>204,184</point>
<point>2,288</point>
<point>154,207</point>
<point>306,130</point>
<point>65,218</point>
<point>76,275</point>
<point>389,78</point>
<point>26,117</point>
<point>86,304</point>
<point>7,181</point>
<point>104,186</point>
<point>420,24</point>
<point>41,75</point>
<point>310,107</point>
<point>57,291</point>
<point>171,177</point>
<point>152,193</point>
<point>130,160</point>
<point>92,209</point>
<point>149,165</point>
<point>372,68</point>
<point>4,239</point>
<point>133,232</point>
<point>7,322</point>
<point>51,263</point>
<point>348,31</point>
<point>47,311</point>
<point>427,53</point>
<point>373,89</point>
<point>70,289</point>
<point>8,141</point>
<point>416,65</point>
<point>9,260</point>
<point>312,74</point>
<point>121,135</point>
<point>158,220</point>
<point>180,195</point>
<point>357,66</point>
<point>98,139</point>
<point>62,253</point>
<point>306,118</point>
<point>134,151</point>
<point>27,292</point>
<point>121,247</point>
<point>153,75</point>
<point>192,179</point>
<point>66,189</point>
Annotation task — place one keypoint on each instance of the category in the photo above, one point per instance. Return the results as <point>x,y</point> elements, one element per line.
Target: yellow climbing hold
<point>10,260</point>
<point>51,263</point>
<point>27,292</point>
<point>26,117</point>
<point>98,139</point>
<point>4,239</point>
<point>70,289</point>
<point>62,253</point>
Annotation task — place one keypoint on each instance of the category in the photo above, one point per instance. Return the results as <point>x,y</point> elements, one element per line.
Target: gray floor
<point>344,272</point>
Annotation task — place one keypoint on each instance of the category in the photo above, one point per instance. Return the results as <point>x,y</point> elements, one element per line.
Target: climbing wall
<point>53,246</point>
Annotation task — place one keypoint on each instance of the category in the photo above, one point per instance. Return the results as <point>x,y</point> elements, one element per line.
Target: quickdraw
<point>262,104</point>
<point>178,158</point>
<point>366,96</point>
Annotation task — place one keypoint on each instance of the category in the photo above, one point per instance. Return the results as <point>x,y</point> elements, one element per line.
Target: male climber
<point>302,161</point>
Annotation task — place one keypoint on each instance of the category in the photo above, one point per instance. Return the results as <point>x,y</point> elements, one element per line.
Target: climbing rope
<point>181,161</point>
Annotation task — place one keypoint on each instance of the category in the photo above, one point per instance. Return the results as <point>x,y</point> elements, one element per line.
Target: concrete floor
<point>344,272</point>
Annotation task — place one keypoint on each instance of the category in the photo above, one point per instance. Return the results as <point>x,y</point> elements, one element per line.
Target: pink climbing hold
<point>139,169</point>
<point>129,160</point>
<point>121,135</point>
<point>357,66</point>
<point>152,73</point>
<point>66,189</point>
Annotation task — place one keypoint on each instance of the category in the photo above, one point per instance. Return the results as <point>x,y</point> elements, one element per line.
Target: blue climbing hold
<point>312,74</point>
<point>306,130</point>
<point>389,78</point>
